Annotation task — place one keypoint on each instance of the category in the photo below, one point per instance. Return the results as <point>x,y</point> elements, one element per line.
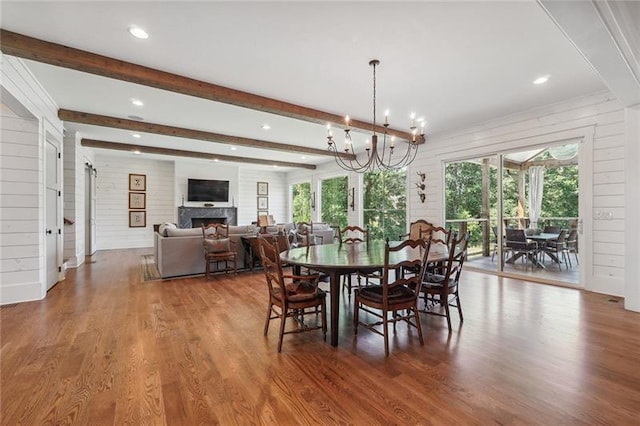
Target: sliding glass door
<point>521,210</point>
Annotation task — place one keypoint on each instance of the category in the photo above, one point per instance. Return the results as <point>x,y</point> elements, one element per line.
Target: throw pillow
<point>162,229</point>
<point>217,245</point>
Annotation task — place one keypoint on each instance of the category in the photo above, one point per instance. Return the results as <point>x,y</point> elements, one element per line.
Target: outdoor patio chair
<point>551,230</point>
<point>572,246</point>
<point>520,247</point>
<point>557,250</point>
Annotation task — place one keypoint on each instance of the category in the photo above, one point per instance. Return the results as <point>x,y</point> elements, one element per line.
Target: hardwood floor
<point>105,347</point>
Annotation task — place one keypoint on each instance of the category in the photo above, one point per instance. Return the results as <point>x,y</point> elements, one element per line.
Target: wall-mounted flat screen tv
<point>208,190</point>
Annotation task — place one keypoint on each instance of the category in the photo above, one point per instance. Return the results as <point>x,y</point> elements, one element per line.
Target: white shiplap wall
<point>112,189</point>
<point>70,183</point>
<point>248,179</point>
<point>75,160</point>
<point>243,182</point>
<point>597,116</point>
<point>166,185</point>
<point>27,110</point>
<point>20,199</point>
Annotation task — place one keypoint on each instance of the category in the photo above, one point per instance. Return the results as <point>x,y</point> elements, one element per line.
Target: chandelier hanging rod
<point>376,159</point>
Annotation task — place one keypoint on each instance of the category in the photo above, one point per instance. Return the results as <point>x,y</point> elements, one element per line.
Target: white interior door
<point>53,232</point>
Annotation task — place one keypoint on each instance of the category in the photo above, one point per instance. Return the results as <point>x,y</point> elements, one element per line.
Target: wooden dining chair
<point>291,295</point>
<point>305,235</point>
<point>281,242</point>
<point>438,236</point>
<point>416,229</point>
<point>440,288</point>
<point>218,248</point>
<point>396,297</point>
<point>352,234</point>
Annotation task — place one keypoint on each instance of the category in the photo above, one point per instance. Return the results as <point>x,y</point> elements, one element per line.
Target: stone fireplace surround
<point>185,214</point>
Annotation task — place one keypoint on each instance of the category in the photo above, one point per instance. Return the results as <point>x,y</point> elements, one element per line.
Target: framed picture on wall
<point>263,188</point>
<point>263,203</point>
<point>137,200</point>
<point>137,219</point>
<point>137,182</point>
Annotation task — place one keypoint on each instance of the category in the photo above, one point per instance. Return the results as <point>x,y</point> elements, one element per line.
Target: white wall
<point>596,116</point>
<point>243,183</point>
<point>166,185</point>
<point>248,178</point>
<point>112,208</point>
<point>632,206</point>
<point>28,113</point>
<point>75,160</point>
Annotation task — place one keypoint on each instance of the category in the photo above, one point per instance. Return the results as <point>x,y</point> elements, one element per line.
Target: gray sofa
<point>179,251</point>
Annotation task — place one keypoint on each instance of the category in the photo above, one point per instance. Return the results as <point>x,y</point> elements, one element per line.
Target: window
<point>385,202</point>
<point>301,202</point>
<point>334,201</point>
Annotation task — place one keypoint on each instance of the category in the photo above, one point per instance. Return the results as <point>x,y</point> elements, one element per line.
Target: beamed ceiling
<point>211,74</point>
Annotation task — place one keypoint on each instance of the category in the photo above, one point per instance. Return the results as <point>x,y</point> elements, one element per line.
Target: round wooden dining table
<point>336,260</point>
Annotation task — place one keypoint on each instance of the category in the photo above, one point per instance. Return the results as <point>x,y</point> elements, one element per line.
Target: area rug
<point>148,268</point>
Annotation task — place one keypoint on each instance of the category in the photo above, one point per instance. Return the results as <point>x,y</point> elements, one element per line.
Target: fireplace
<point>197,222</point>
<point>192,217</point>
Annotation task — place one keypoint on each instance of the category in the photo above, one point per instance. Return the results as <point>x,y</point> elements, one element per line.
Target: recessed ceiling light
<point>303,157</point>
<point>233,148</point>
<point>135,117</point>
<point>136,135</point>
<point>137,102</point>
<point>215,160</point>
<point>138,32</point>
<point>541,80</point>
<point>266,127</point>
<point>137,152</point>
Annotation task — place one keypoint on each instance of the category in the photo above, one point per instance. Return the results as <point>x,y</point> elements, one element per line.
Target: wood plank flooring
<point>106,348</point>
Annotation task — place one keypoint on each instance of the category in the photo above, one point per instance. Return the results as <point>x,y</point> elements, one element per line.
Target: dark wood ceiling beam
<point>93,143</point>
<point>63,56</point>
<point>180,132</point>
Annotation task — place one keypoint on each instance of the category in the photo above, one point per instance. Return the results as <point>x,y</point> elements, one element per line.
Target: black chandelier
<point>383,158</point>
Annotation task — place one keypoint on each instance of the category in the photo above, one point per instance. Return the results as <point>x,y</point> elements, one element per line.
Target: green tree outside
<point>385,204</point>
<point>301,204</point>
<point>463,193</point>
<point>334,201</point>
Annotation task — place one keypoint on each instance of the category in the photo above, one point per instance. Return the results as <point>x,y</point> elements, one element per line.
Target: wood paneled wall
<point>112,190</point>
<point>166,184</point>
<point>597,115</point>
<point>26,112</point>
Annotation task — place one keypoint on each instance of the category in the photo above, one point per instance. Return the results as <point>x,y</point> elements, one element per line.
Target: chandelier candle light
<point>382,159</point>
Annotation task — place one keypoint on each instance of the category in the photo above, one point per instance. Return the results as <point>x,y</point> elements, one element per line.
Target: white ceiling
<point>453,63</point>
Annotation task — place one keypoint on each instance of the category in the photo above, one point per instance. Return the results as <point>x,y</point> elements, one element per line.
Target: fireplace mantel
<point>185,214</point>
